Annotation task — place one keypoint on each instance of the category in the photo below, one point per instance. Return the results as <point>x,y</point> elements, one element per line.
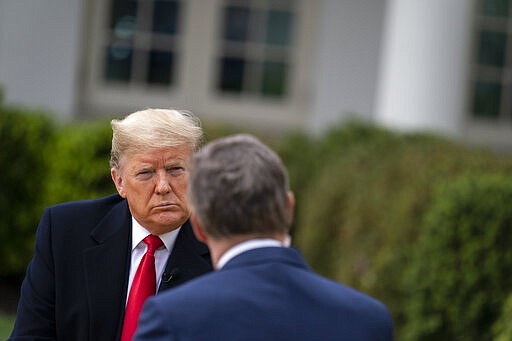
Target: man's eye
<point>175,170</point>
<point>144,173</point>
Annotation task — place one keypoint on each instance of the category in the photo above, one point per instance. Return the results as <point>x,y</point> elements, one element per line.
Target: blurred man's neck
<point>219,246</point>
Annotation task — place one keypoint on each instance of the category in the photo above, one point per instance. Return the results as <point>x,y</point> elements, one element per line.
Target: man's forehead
<point>151,155</point>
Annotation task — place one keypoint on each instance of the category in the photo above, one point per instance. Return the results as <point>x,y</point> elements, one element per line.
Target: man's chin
<point>170,221</point>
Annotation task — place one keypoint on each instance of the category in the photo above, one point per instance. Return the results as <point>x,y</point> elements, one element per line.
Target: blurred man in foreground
<point>262,290</point>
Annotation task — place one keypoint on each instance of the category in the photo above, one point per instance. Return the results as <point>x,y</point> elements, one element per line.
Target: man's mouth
<point>165,205</point>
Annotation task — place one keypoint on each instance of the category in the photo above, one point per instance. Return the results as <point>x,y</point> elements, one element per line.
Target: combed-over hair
<point>152,129</point>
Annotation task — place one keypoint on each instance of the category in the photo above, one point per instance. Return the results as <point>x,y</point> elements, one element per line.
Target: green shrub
<point>79,167</point>
<point>6,325</point>
<point>23,139</point>
<point>322,173</point>
<point>362,197</point>
<point>502,328</point>
<point>460,274</point>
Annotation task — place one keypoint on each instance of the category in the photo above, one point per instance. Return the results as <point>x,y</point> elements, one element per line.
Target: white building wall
<point>39,43</point>
<point>347,50</point>
<point>425,65</point>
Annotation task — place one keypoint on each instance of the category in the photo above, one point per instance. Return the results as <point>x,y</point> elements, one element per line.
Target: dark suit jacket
<point>264,294</point>
<point>76,283</point>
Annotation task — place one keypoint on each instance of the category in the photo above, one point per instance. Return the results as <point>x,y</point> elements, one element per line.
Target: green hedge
<point>362,195</point>
<point>23,137</point>
<point>80,163</point>
<point>460,274</point>
<point>44,164</point>
<point>502,328</point>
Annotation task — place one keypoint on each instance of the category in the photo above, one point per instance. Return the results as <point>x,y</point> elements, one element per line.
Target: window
<point>257,40</point>
<point>142,42</point>
<point>209,56</point>
<point>492,82</point>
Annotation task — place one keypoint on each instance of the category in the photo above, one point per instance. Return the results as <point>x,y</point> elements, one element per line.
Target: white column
<point>346,51</point>
<point>425,65</point>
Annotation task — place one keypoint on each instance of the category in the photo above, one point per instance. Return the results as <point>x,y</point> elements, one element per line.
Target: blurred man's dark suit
<point>264,294</point>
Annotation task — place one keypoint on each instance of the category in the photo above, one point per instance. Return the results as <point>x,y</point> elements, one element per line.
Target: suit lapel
<point>189,259</point>
<point>107,267</point>
<point>106,272</point>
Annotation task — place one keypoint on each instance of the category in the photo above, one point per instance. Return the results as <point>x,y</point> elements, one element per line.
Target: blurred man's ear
<point>291,205</point>
<point>198,229</point>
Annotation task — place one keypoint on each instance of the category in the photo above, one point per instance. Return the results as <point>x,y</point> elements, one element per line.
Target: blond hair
<point>153,129</point>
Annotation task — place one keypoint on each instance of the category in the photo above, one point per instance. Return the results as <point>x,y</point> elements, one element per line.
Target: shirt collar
<point>246,246</point>
<point>139,233</point>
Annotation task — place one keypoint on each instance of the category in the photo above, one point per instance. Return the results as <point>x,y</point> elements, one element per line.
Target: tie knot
<point>153,243</point>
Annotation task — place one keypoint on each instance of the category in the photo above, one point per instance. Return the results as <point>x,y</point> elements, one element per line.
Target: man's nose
<point>162,182</point>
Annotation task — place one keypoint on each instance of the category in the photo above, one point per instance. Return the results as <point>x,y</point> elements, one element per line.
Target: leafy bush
<point>6,325</point>
<point>45,164</point>
<point>460,273</point>
<point>502,328</point>
<point>79,167</point>
<point>362,194</point>
<point>23,138</point>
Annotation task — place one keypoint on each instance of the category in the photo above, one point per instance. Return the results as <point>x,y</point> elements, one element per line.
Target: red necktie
<point>143,286</point>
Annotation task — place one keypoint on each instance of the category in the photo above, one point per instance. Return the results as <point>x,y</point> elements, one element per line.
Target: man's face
<point>155,184</point>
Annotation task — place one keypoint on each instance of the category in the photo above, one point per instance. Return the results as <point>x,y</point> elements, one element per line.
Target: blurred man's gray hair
<point>239,186</point>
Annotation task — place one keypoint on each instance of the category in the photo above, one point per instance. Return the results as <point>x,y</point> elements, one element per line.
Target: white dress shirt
<point>249,245</point>
<point>139,249</point>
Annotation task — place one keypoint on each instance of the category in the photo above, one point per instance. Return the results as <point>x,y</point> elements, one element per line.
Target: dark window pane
<point>236,24</point>
<point>497,8</point>
<point>231,74</point>
<point>274,79</point>
<point>492,48</point>
<point>165,16</point>
<point>122,8</point>
<point>118,62</point>
<point>161,67</point>
<point>279,27</point>
<point>487,100</point>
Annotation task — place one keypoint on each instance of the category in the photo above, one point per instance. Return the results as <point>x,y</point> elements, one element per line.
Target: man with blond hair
<point>96,261</point>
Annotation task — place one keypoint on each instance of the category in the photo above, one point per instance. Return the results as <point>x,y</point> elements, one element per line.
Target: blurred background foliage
<point>79,169</point>
<point>367,196</point>
<point>23,138</point>
<point>416,220</point>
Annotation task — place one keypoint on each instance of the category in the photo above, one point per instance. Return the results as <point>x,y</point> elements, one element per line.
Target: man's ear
<point>118,181</point>
<point>198,229</point>
<point>291,205</point>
